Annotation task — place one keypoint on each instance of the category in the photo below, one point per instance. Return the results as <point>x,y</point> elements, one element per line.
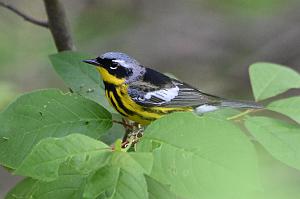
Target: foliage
<point>194,147</point>
<point>82,79</point>
<point>47,113</point>
<point>269,80</point>
<point>53,139</point>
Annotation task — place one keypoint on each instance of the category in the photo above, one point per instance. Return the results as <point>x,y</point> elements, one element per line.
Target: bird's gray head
<point>117,65</point>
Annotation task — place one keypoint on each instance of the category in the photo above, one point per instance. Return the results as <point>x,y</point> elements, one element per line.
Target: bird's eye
<point>113,67</point>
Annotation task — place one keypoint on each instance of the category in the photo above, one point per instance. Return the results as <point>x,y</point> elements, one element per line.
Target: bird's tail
<point>240,104</point>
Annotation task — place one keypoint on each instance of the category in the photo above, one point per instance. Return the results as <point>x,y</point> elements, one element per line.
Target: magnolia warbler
<point>142,94</point>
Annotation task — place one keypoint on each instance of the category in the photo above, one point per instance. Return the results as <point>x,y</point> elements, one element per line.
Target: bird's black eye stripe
<point>107,63</point>
<point>114,68</point>
<point>104,62</point>
<point>99,60</point>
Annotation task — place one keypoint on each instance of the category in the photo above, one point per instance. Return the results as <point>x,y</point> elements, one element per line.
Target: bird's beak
<point>92,62</point>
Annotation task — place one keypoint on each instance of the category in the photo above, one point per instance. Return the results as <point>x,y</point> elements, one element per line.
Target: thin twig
<point>24,16</point>
<point>125,125</point>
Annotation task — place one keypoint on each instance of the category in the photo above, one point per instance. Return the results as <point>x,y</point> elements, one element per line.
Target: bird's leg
<point>136,134</point>
<point>128,128</point>
<point>132,137</point>
<point>133,131</point>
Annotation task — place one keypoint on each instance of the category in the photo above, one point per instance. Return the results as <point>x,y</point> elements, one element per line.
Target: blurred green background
<point>207,43</point>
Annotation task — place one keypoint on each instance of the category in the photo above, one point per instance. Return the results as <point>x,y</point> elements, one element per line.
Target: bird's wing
<point>170,93</point>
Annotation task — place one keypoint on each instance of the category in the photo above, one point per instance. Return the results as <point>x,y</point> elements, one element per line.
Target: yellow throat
<point>110,78</point>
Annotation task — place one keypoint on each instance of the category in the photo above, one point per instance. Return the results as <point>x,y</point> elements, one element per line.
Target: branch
<point>24,16</point>
<point>58,25</point>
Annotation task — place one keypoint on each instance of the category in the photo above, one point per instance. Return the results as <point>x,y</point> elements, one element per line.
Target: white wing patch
<point>166,94</point>
<point>205,108</point>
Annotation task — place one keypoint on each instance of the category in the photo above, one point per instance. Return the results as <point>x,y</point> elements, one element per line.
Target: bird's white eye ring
<point>113,67</point>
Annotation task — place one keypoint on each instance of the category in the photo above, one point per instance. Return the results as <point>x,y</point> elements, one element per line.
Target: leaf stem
<point>240,114</point>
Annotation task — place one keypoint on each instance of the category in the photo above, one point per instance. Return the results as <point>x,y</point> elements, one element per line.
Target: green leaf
<point>279,138</point>
<point>112,181</point>
<point>118,145</point>
<point>23,189</point>
<point>117,131</point>
<point>122,178</point>
<point>102,182</point>
<point>66,186</point>
<point>157,190</point>
<point>145,160</point>
<point>82,78</point>
<point>47,113</point>
<point>279,180</point>
<point>201,157</point>
<point>81,152</point>
<point>268,80</point>
<point>289,107</point>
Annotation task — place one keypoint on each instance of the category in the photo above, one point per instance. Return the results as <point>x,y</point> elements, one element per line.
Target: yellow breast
<point>122,102</point>
<point>116,92</point>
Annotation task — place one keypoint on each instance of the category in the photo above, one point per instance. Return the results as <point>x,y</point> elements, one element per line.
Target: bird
<point>143,95</point>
